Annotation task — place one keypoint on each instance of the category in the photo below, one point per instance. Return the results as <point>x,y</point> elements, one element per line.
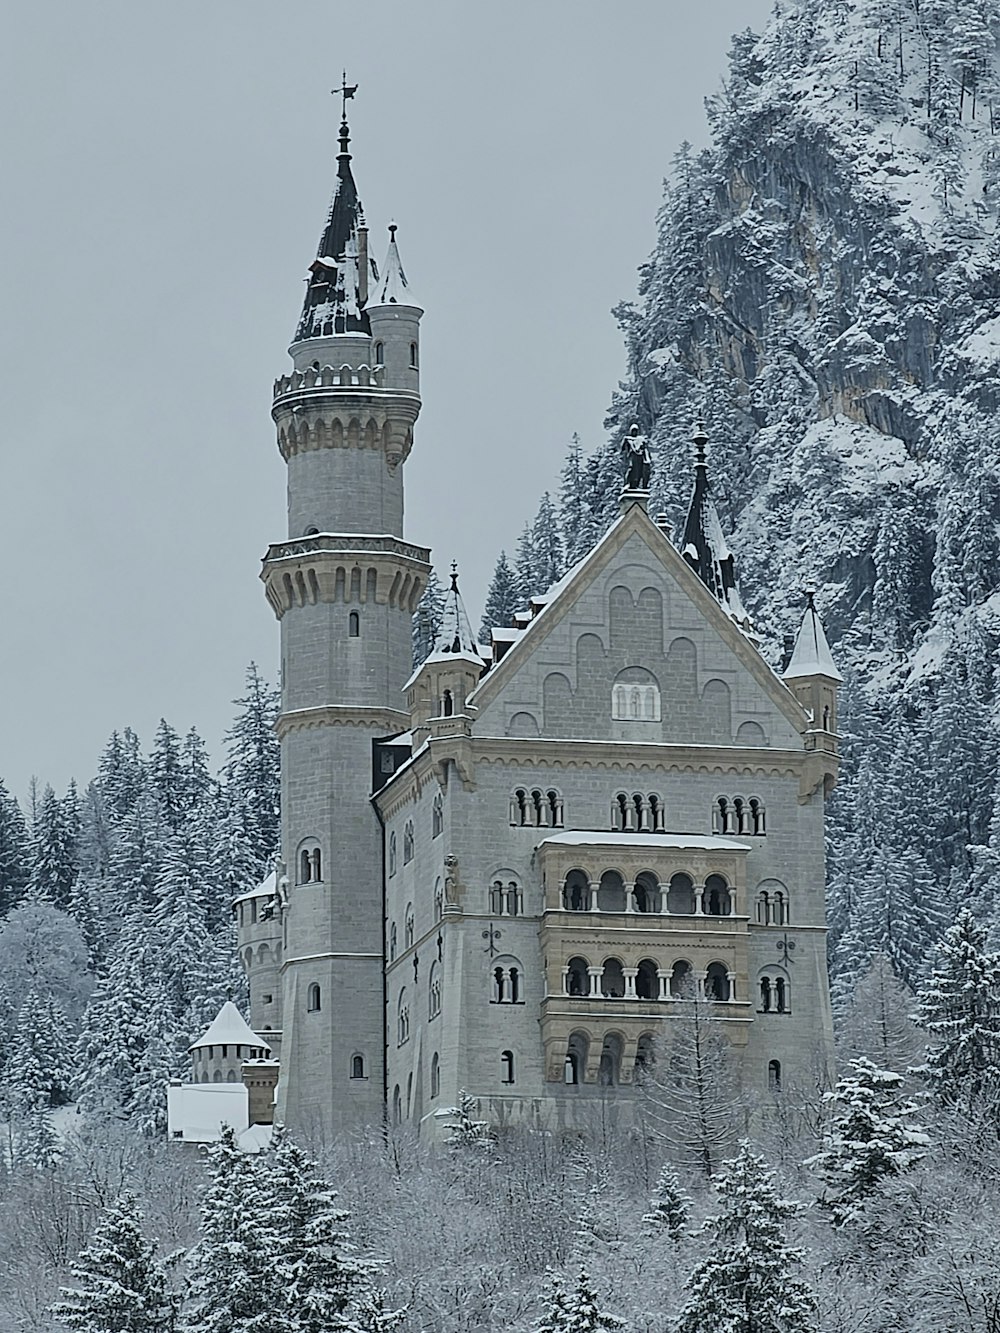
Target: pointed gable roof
<point>333,295</point>
<point>705,548</point>
<point>392,287</point>
<point>229,1028</point>
<point>563,595</point>
<point>811,655</point>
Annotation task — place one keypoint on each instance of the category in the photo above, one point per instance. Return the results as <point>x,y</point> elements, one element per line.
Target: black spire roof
<point>705,547</point>
<point>336,284</point>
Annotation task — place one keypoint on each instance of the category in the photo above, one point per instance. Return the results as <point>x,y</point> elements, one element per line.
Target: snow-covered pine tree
<point>547,545</point>
<point>121,772</point>
<point>502,599</point>
<point>874,1136</point>
<point>466,1131</point>
<point>14,852</point>
<point>322,1277</point>
<point>427,619</point>
<point>252,764</point>
<point>578,524</point>
<point>670,1206</point>
<point>574,1308</point>
<point>235,1284</point>
<point>53,861</point>
<point>960,1009</point>
<point>122,1284</point>
<point>167,778</point>
<point>39,1065</point>
<point>745,1284</point>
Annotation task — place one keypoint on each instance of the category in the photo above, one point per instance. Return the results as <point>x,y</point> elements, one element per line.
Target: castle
<point>502,870</point>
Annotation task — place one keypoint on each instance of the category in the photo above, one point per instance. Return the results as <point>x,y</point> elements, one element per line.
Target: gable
<point>633,647</point>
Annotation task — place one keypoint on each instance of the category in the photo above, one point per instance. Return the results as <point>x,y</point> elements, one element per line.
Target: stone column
<point>565,980</point>
<point>594,886</point>
<point>664,980</point>
<point>630,975</point>
<point>629,897</point>
<point>595,980</point>
<point>699,899</point>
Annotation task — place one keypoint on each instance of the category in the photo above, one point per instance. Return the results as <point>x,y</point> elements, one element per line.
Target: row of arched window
<point>408,932</point>
<point>740,816</point>
<point>536,808</point>
<point>611,980</point>
<point>610,1063</point>
<point>380,354</point>
<point>637,813</point>
<point>310,869</point>
<point>679,896</point>
<point>407,846</point>
<point>506,1072</point>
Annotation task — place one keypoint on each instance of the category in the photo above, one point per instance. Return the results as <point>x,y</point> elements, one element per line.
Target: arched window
<point>506,1066</point>
<point>637,812</point>
<point>447,704</point>
<point>435,1075</point>
<point>408,927</point>
<point>310,864</point>
<point>613,979</point>
<point>578,977</point>
<point>609,1069</point>
<point>313,999</point>
<point>505,896</point>
<point>357,1066</point>
<point>645,1056</point>
<point>772,903</point>
<point>392,943</point>
<point>305,868</point>
<point>774,1075</point>
<point>506,982</point>
<point>717,982</point>
<point>758,826</point>
<point>354,625</point>
<point>539,809</point>
<point>519,808</point>
<point>681,981</point>
<point>775,993</point>
<point>434,992</point>
<point>380,354</point>
<point>717,900</point>
<point>408,842</point>
<point>438,901</point>
<point>437,816</point>
<point>403,1018</point>
<point>575,1064</point>
<point>646,893</point>
<point>413,355</point>
<point>647,981</point>
<point>576,892</point>
<point>392,854</point>
<point>680,895</point>
<point>635,696</point>
<point>555,809</point>
<point>611,893</point>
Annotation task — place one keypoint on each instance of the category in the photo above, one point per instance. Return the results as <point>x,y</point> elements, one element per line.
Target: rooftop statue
<point>635,454</point>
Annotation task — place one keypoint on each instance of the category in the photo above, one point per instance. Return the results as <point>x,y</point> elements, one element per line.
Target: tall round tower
<point>344,587</point>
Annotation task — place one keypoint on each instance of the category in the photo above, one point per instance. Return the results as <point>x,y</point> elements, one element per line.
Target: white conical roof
<point>229,1028</point>
<point>812,656</point>
<point>392,287</point>
<point>455,635</point>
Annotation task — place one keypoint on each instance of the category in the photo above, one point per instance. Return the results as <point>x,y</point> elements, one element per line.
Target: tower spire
<point>337,283</point>
<point>705,547</point>
<point>393,288</point>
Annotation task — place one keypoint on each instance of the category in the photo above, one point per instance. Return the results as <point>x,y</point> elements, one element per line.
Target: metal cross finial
<point>454,576</point>
<point>392,232</point>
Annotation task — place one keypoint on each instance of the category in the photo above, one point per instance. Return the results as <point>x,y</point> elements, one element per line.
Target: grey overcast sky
<point>167,171</point>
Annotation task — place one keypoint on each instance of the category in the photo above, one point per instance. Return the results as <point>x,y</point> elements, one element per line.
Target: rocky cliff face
<point>825,295</point>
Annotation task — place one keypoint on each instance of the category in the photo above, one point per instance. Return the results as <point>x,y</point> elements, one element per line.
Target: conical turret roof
<point>392,288</point>
<point>705,548</point>
<point>229,1028</point>
<point>455,635</point>
<point>811,655</point>
<point>333,301</point>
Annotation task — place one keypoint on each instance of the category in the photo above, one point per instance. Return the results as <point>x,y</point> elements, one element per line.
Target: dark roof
<point>331,304</point>
<point>704,546</point>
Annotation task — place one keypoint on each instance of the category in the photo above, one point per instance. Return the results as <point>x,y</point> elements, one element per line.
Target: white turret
<point>813,678</point>
<point>394,315</point>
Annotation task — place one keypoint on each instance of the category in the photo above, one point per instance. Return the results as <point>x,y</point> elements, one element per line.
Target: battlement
<point>330,377</point>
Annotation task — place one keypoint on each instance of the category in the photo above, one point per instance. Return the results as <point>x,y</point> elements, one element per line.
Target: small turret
<point>437,692</point>
<point>218,1054</point>
<point>393,313</point>
<point>813,678</point>
<point>705,548</point>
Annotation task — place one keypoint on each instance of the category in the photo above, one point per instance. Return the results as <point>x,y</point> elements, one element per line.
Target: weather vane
<point>345,92</point>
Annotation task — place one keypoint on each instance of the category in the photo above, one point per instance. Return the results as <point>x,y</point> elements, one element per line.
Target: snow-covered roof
<point>267,888</point>
<point>811,656</point>
<point>679,841</point>
<point>229,1028</point>
<point>392,287</point>
<point>198,1112</point>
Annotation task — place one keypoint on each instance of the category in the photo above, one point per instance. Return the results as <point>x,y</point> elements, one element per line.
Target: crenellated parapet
<point>327,567</point>
<point>348,407</point>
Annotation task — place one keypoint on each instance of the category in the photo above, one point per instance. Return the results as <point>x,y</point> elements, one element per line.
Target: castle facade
<point>505,871</point>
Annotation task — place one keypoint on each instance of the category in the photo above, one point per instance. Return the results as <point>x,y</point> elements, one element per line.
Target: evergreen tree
<point>876,1021</point>
<point>236,1285</point>
<point>321,1275</point>
<point>198,783</point>
<point>121,773</point>
<point>167,778</point>
<point>574,1310</point>
<point>547,545</point>
<point>466,1131</point>
<point>53,864</point>
<point>960,1009</point>
<point>14,854</point>
<point>39,1063</point>
<point>576,517</point>
<point>502,600</point>
<point>745,1282</point>
<point>873,1138</point>
<point>427,620</point>
<point>122,1284</point>
<point>670,1207</point>
<point>253,766</point>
